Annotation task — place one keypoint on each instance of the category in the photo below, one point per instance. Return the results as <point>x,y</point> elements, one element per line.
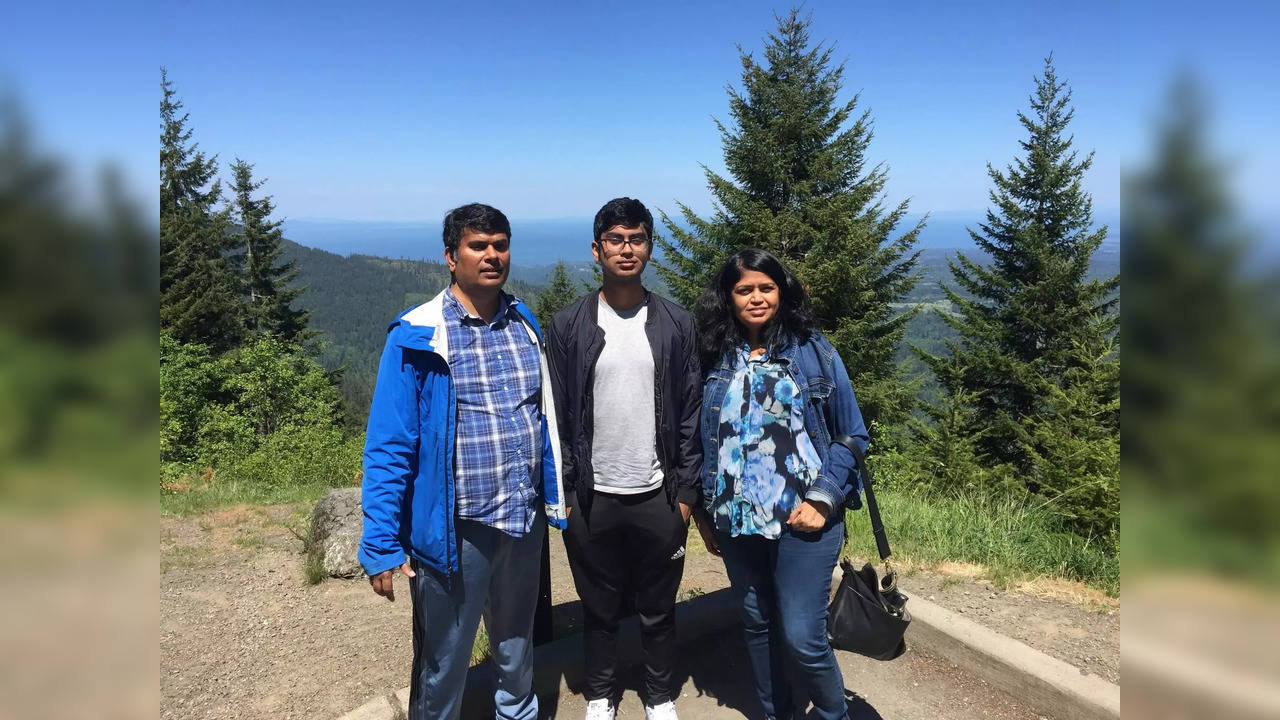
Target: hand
<point>382,581</point>
<point>708,537</point>
<point>809,516</point>
<point>685,512</point>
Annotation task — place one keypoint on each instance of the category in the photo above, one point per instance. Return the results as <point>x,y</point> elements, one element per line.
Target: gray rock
<point>335,532</point>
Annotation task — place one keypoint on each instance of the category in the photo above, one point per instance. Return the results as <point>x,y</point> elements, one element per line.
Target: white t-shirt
<point>623,455</point>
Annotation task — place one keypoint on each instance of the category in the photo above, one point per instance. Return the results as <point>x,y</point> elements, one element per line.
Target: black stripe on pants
<point>631,547</point>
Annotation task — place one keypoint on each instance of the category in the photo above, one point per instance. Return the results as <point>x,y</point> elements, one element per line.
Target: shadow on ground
<point>713,671</point>
<point>715,679</point>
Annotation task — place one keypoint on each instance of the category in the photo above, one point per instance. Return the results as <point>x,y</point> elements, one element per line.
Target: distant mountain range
<point>544,242</point>
<point>353,295</point>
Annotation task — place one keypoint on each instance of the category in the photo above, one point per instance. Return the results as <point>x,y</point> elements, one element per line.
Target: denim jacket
<point>830,410</point>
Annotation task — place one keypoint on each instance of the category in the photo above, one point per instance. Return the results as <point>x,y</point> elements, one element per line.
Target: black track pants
<point>631,547</point>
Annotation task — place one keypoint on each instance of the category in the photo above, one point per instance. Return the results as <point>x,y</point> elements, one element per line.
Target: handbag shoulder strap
<point>873,509</point>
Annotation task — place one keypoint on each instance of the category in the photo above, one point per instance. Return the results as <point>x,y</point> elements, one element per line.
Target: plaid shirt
<point>497,381</point>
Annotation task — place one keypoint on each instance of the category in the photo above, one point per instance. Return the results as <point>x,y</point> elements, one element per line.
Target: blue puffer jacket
<point>830,410</point>
<point>408,493</point>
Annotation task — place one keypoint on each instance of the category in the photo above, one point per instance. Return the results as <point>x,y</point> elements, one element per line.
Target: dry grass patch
<point>900,565</point>
<point>183,557</point>
<point>1076,593</point>
<point>245,526</point>
<point>970,571</point>
<point>1054,588</point>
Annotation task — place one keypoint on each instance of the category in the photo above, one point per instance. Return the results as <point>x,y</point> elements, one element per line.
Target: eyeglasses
<point>615,242</point>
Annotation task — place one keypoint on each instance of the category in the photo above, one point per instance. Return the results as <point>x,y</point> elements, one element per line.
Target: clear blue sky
<point>397,111</point>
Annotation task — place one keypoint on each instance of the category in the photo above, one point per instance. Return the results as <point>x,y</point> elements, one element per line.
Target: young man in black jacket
<point>628,393</point>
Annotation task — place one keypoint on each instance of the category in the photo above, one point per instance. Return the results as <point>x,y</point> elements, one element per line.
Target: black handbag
<point>868,614</point>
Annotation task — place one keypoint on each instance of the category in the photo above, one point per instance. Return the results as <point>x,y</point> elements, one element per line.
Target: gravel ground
<point>244,636</point>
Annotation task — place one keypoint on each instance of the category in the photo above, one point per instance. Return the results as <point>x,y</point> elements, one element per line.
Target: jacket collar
<point>783,350</point>
<point>594,299</point>
<point>506,304</point>
<point>422,327</point>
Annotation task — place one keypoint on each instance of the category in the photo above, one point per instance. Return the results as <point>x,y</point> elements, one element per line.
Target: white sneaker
<point>601,710</point>
<point>665,711</point>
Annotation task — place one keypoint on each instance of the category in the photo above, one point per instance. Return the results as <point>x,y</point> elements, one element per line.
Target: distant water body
<point>544,242</point>
<point>537,242</point>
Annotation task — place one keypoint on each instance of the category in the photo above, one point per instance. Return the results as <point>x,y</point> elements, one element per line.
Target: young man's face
<point>481,262</point>
<point>622,251</point>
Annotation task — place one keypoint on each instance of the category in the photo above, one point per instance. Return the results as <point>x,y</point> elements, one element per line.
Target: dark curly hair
<point>719,330</point>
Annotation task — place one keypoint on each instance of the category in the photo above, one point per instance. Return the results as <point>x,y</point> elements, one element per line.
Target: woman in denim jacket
<point>774,483</point>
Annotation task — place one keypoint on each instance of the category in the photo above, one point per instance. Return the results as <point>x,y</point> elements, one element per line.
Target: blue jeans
<point>782,587</point>
<point>497,577</point>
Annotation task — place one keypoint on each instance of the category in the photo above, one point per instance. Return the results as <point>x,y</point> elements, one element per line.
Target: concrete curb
<point>1046,684</point>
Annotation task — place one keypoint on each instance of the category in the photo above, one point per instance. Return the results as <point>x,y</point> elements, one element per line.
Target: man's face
<point>622,251</point>
<point>481,262</point>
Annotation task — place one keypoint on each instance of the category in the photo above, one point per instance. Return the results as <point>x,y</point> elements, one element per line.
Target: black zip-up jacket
<point>574,343</point>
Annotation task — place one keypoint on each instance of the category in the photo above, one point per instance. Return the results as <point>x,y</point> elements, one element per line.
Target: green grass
<point>1012,538</point>
<point>219,492</point>
<point>299,525</point>
<point>691,593</point>
<point>480,648</point>
<point>289,467</point>
<point>313,569</point>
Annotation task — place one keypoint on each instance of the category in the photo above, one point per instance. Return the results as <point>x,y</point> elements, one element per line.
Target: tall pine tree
<point>1036,360</point>
<point>558,294</point>
<point>800,189</point>
<point>199,293</point>
<point>265,278</point>
<point>1202,358</point>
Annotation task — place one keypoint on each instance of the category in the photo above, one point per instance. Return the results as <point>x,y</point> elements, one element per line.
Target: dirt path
<point>243,635</point>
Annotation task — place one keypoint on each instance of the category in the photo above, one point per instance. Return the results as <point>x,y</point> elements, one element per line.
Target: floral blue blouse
<point>767,460</point>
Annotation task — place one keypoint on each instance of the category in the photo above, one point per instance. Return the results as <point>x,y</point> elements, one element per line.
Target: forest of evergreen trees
<point>1027,388</point>
<point>999,374</point>
<point>240,392</point>
<point>352,300</point>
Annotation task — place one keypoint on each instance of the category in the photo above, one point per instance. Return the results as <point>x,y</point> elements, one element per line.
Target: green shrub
<point>295,457</point>
<point>272,385</point>
<point>291,465</point>
<point>189,377</point>
<point>216,408</point>
<point>258,424</point>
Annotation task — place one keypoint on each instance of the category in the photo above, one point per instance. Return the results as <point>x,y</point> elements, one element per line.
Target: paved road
<point>915,686</point>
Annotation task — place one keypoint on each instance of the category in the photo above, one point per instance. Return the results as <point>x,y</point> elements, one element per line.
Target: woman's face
<point>755,300</point>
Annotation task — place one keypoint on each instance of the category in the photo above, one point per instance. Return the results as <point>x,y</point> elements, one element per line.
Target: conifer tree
<point>946,442</point>
<point>1036,359</point>
<point>199,294</point>
<point>1202,339</point>
<point>558,294</point>
<point>266,280</point>
<point>800,188</point>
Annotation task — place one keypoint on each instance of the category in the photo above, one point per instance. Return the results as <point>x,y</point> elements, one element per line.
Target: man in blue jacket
<point>462,471</point>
